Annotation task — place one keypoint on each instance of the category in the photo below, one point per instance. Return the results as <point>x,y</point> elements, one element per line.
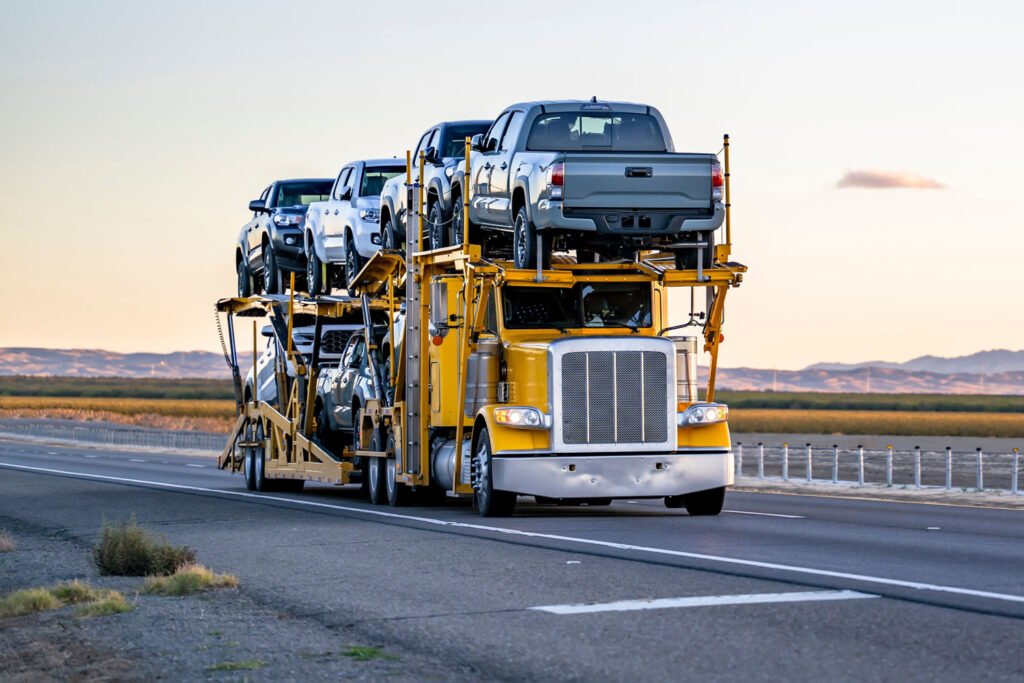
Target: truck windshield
<point>375,177</point>
<point>454,144</point>
<point>595,132</point>
<point>597,304</point>
<point>304,193</point>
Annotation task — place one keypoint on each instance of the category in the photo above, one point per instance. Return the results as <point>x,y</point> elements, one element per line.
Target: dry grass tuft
<point>190,578</point>
<point>27,602</point>
<point>110,603</point>
<point>94,602</point>
<point>125,549</point>
<point>6,542</point>
<point>180,414</point>
<point>75,592</point>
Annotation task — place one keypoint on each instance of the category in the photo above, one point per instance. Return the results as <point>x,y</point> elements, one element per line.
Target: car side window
<point>494,134</point>
<point>515,124</point>
<point>271,198</point>
<point>344,178</point>
<point>346,356</point>
<point>434,141</point>
<point>421,146</point>
<point>358,355</point>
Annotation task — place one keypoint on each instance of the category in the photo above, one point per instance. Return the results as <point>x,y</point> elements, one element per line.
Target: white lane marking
<point>764,514</point>
<point>934,528</point>
<point>189,464</point>
<point>702,601</point>
<point>810,571</point>
<point>92,457</point>
<point>51,452</point>
<point>136,460</point>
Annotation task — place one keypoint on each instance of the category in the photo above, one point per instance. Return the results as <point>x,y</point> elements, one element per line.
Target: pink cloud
<point>882,180</point>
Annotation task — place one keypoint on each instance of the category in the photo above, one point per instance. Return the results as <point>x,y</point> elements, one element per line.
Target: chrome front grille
<point>615,398</point>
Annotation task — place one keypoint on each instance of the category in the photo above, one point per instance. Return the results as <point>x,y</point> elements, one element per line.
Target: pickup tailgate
<point>631,180</point>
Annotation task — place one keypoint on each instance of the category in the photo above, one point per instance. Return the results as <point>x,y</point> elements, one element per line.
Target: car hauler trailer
<point>558,383</point>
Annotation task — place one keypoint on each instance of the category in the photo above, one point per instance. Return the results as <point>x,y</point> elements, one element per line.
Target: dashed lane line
<point>666,552</point>
<point>702,601</point>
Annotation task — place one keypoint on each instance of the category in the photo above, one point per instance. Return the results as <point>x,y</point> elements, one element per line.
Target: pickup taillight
<point>556,178</point>
<point>717,179</point>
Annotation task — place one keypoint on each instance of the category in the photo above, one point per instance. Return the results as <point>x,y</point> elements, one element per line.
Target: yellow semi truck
<point>566,384</point>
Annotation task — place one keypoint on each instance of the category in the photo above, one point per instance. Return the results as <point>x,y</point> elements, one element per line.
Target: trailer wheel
<point>248,463</point>
<point>375,472</point>
<point>487,501</point>
<point>398,493</point>
<point>700,503</point>
<point>259,462</point>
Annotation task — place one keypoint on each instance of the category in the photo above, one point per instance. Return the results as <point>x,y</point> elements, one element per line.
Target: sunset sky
<point>877,149</point>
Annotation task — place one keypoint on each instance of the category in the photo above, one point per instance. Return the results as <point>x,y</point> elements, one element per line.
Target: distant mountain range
<point>985,372</point>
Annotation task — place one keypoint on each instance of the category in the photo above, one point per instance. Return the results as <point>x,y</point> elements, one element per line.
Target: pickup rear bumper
<point>552,215</point>
<point>614,476</point>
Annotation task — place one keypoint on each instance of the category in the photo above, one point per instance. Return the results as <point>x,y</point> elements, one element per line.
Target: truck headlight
<point>703,414</point>
<point>525,418</point>
<point>287,219</point>
<point>370,215</point>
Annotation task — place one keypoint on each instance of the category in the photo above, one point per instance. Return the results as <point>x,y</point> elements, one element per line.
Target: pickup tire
<point>353,262</point>
<point>271,274</point>
<point>244,279</point>
<point>436,228</point>
<point>524,244</point>
<point>314,272</point>
<point>487,501</point>
<point>686,259</point>
<point>388,238</point>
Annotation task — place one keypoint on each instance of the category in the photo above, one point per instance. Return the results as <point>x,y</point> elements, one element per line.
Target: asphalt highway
<point>776,587</point>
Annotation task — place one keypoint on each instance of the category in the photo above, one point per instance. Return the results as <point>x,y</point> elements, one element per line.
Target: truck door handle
<point>639,172</point>
<point>503,166</point>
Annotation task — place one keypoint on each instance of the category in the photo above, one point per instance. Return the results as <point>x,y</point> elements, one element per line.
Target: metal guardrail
<point>98,434</point>
<point>946,469</point>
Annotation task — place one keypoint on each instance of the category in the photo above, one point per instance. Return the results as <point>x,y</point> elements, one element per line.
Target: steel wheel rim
<point>374,474</point>
<point>483,466</point>
<point>267,280</point>
<point>350,266</point>
<point>520,240</point>
<point>436,241</point>
<point>311,271</point>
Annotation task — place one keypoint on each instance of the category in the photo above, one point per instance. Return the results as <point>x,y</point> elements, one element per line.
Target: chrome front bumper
<point>613,476</point>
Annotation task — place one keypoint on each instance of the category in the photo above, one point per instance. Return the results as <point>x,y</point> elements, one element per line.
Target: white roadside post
<point>949,468</point>
<point>980,479</point>
<point>860,464</point>
<point>785,462</point>
<point>739,459</point>
<point>760,460</point>
<point>809,473</point>
<point>835,463</point>
<point>917,467</point>
<point>888,465</point>
<point>1016,469</point>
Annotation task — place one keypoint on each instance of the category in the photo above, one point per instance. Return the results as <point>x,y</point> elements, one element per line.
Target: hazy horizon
<point>876,183</point>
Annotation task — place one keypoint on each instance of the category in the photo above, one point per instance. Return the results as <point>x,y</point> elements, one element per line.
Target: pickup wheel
<point>353,262</point>
<point>475,234</point>
<point>524,244</point>
<point>270,271</point>
<point>487,501</point>
<point>700,503</point>
<point>435,227</point>
<point>314,272</point>
<point>388,238</point>
<point>686,259</point>
<point>244,279</point>
<point>327,438</point>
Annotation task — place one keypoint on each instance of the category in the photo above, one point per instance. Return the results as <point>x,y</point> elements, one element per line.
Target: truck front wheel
<point>700,503</point>
<point>487,501</point>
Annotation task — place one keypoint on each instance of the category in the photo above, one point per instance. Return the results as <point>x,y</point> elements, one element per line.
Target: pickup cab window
<point>515,124</point>
<point>455,138</point>
<point>344,178</point>
<point>494,134</point>
<point>302,194</point>
<point>596,132</point>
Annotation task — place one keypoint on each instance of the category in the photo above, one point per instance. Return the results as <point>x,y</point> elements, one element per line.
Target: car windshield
<point>374,178</point>
<point>455,137</point>
<point>596,132</point>
<point>597,304</point>
<point>303,193</point>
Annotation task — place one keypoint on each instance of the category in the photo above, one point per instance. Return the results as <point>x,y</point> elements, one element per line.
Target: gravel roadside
<point>220,635</point>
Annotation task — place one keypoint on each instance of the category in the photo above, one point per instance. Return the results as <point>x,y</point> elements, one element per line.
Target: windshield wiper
<point>616,323</point>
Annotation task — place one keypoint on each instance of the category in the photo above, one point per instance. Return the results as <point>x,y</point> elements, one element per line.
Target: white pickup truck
<point>342,232</point>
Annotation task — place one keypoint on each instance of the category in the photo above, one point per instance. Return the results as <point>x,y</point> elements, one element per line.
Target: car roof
<point>578,105</point>
<point>467,122</point>
<point>391,161</point>
<point>305,180</point>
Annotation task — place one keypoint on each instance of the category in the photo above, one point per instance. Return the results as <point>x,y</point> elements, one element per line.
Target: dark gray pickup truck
<point>598,177</point>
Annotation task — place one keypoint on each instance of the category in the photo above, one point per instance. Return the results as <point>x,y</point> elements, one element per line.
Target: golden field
<point>212,415</point>
<point>896,423</point>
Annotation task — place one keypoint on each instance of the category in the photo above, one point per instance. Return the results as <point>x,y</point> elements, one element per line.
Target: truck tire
<point>375,472</point>
<point>314,272</point>
<point>436,227</point>
<point>487,501</point>
<point>700,503</point>
<point>271,274</point>
<point>524,244</point>
<point>325,436</point>
<point>259,476</point>
<point>686,259</point>
<point>353,262</point>
<point>244,279</point>
<point>248,464</point>
<point>398,493</point>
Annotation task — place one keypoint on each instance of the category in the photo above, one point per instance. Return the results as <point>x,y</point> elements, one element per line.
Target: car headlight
<point>703,414</point>
<point>370,215</point>
<point>525,418</point>
<point>287,219</point>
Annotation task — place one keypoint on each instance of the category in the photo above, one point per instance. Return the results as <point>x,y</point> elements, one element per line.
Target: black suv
<point>271,243</point>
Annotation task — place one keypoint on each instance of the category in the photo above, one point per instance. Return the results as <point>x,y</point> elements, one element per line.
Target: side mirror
<point>346,193</point>
<point>477,142</point>
<point>257,206</point>
<point>430,155</point>
<point>267,331</point>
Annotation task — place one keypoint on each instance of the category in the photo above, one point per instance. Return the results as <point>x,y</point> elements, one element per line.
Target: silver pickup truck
<point>598,177</point>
